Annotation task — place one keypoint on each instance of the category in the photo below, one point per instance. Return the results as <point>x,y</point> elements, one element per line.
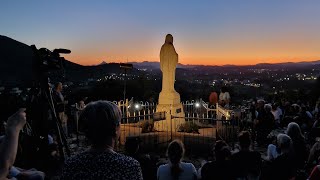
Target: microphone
<point>62,51</point>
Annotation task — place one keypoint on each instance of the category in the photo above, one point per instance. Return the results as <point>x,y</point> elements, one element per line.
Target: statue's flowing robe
<point>168,63</point>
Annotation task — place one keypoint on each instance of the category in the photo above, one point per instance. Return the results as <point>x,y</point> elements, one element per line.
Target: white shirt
<point>224,96</point>
<point>272,152</point>
<point>277,113</point>
<point>189,172</point>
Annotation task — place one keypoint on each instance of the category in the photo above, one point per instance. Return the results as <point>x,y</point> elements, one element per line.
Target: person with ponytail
<point>175,169</point>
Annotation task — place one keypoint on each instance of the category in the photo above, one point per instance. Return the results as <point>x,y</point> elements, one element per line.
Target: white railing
<point>193,110</point>
<point>215,119</point>
<point>223,113</point>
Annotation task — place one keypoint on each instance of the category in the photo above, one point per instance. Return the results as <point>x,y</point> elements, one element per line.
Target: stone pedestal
<point>170,103</point>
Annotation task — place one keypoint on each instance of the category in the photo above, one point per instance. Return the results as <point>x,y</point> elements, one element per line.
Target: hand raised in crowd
<point>16,122</point>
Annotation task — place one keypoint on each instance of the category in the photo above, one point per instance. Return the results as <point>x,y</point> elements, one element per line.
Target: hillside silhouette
<point>16,66</point>
<point>15,61</point>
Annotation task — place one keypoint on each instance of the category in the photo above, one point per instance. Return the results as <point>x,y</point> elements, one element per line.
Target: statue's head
<point>169,39</point>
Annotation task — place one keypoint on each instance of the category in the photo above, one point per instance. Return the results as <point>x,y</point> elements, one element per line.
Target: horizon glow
<point>205,32</point>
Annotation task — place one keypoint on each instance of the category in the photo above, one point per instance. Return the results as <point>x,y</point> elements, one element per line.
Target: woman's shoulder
<point>126,160</point>
<point>77,162</point>
<point>186,165</point>
<point>78,157</point>
<point>164,166</point>
<point>114,157</point>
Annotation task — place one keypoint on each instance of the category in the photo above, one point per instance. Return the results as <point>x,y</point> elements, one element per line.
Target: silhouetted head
<point>267,107</point>
<point>274,106</point>
<point>223,154</point>
<point>244,139</point>
<point>296,108</point>
<point>169,39</point>
<point>284,142</point>
<point>100,121</point>
<point>219,144</point>
<point>58,86</point>
<point>132,145</point>
<point>175,151</point>
<point>222,150</point>
<point>81,103</point>
<point>294,131</point>
<point>224,89</point>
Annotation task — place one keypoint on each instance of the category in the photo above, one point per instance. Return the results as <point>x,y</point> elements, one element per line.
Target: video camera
<point>46,60</point>
<point>43,61</point>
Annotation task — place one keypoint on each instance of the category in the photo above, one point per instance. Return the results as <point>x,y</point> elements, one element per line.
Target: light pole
<point>125,67</point>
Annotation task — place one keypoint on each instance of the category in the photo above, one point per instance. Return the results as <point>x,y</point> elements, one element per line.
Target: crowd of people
<point>287,132</point>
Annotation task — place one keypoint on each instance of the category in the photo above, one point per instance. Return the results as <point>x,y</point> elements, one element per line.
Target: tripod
<point>41,106</point>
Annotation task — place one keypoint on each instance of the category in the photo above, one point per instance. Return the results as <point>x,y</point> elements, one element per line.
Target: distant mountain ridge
<point>16,65</point>
<point>156,65</point>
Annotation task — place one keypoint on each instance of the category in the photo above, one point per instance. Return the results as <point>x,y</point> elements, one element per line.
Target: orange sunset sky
<point>236,49</point>
<point>206,32</point>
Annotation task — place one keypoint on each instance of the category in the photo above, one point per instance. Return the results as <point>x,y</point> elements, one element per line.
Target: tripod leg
<point>62,139</point>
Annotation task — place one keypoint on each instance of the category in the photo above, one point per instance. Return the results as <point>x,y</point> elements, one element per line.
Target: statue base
<point>174,117</point>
